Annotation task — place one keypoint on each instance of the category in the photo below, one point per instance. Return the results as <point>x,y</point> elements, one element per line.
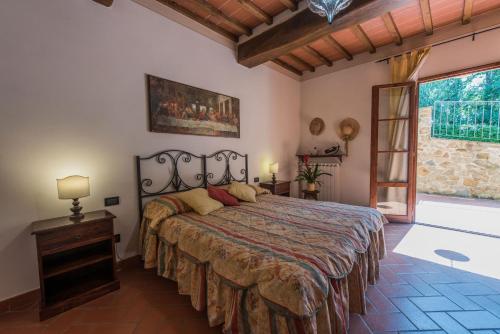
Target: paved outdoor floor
<point>469,214</point>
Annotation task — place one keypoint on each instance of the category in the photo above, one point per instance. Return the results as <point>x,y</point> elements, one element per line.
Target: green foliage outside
<point>466,108</point>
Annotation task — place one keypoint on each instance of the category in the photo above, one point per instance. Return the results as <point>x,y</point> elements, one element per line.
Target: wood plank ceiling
<point>383,22</point>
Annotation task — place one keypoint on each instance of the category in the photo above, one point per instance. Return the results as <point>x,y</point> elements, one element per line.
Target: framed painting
<point>179,108</point>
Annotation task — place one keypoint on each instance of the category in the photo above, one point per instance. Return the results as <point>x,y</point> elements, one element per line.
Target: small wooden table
<point>279,188</point>
<point>76,260</point>
<point>311,194</point>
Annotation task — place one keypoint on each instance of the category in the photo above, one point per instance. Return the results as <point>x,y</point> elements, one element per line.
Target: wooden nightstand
<point>76,260</point>
<point>279,188</point>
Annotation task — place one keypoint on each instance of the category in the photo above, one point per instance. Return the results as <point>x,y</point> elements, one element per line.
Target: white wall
<point>73,101</point>
<point>347,93</point>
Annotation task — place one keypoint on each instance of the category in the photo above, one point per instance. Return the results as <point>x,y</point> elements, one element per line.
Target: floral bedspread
<point>288,248</point>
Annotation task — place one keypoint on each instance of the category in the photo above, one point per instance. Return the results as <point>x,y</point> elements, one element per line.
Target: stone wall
<point>456,167</point>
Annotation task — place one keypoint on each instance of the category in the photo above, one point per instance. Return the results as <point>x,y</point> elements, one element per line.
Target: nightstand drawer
<point>283,188</point>
<point>74,236</point>
<point>278,187</point>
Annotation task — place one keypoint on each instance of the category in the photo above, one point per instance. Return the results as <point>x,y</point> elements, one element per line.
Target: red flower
<point>306,160</point>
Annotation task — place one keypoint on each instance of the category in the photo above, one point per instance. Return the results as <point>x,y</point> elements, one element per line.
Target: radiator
<point>330,185</point>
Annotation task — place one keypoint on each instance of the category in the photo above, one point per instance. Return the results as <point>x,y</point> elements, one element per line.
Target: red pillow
<point>222,196</point>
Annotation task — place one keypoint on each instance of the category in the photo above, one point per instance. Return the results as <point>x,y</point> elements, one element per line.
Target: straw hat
<point>349,128</point>
<point>317,126</point>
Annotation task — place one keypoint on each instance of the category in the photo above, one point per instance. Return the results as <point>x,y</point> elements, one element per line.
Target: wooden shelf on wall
<point>338,156</point>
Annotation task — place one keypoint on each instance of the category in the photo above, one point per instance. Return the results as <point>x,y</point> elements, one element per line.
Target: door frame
<point>410,185</point>
<point>435,77</point>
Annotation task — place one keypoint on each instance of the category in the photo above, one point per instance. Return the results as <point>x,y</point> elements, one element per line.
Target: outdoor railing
<point>466,120</point>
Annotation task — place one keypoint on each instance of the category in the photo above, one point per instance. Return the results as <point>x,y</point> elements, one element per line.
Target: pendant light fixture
<point>328,8</point>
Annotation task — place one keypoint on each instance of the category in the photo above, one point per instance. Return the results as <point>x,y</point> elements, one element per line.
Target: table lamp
<point>273,169</point>
<point>74,187</point>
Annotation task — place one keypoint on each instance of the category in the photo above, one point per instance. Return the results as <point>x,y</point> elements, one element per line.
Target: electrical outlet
<point>118,238</point>
<point>110,201</point>
<point>256,179</point>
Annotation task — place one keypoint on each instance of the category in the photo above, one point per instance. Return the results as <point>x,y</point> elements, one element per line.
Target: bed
<point>280,265</point>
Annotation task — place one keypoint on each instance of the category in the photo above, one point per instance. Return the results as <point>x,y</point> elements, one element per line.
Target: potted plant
<point>310,174</point>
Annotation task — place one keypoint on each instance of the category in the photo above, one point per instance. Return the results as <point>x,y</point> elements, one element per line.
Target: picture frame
<point>182,109</point>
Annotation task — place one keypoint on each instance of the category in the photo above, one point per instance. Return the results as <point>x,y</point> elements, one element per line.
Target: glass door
<point>393,151</point>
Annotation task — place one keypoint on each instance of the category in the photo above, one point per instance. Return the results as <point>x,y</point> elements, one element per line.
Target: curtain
<point>403,69</point>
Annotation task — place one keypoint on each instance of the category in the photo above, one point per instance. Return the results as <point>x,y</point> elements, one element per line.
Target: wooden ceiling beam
<point>287,66</point>
<point>301,62</point>
<point>306,27</point>
<point>451,32</point>
<point>256,11</point>
<point>337,46</point>
<point>290,4</point>
<point>392,28</point>
<point>425,9</point>
<point>467,14</point>
<point>106,3</point>
<point>316,54</point>
<point>363,38</point>
<point>172,4</point>
<point>235,24</point>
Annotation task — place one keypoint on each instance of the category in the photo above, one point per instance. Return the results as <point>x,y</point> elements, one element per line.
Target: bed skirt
<point>243,310</point>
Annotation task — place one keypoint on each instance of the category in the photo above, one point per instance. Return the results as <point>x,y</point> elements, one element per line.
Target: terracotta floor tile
<point>406,269</point>
<point>464,302</point>
<point>476,319</point>
<point>423,332</point>
<point>181,311</point>
<point>105,315</point>
<point>447,323</point>
<point>433,304</point>
<point>63,321</point>
<point>416,316</point>
<point>472,289</point>
<point>151,322</point>
<point>388,277</point>
<point>23,330</point>
<point>398,290</point>
<point>421,286</point>
<point>389,322</point>
<point>495,298</point>
<point>380,303</point>
<point>436,278</point>
<point>357,325</point>
<point>113,329</point>
<point>487,304</point>
<point>79,329</point>
<point>19,318</point>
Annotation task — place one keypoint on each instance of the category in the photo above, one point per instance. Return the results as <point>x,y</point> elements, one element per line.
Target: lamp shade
<point>347,130</point>
<point>72,187</point>
<point>274,168</point>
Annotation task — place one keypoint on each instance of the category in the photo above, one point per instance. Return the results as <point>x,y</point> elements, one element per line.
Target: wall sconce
<point>349,129</point>
<point>74,187</point>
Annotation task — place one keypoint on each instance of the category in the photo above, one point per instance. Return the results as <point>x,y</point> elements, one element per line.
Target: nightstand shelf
<point>70,289</point>
<point>76,260</point>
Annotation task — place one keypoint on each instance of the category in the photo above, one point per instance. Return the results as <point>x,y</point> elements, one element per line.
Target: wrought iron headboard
<point>175,183</point>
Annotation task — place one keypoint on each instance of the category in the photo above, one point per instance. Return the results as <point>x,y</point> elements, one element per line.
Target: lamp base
<point>274,178</point>
<point>77,215</point>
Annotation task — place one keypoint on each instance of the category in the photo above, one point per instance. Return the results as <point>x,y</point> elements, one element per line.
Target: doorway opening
<point>458,151</point>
